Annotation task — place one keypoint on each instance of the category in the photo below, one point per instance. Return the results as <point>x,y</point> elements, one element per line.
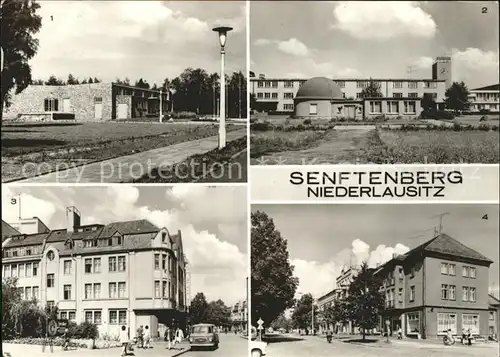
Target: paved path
<point>130,167</point>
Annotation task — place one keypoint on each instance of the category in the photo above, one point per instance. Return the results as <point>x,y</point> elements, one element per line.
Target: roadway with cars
<point>230,345</point>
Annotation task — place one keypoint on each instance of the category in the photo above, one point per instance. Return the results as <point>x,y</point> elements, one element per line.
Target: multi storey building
<point>124,273</point>
<point>239,316</point>
<point>494,316</point>
<point>485,99</point>
<point>439,285</point>
<point>277,94</point>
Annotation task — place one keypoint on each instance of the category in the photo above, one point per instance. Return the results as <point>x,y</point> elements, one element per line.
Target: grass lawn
<point>266,142</point>
<point>76,144</point>
<point>226,165</point>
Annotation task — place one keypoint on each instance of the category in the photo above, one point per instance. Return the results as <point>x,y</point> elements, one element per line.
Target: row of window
<point>393,107</point>
<point>166,262</point>
<point>116,290</point>
<point>445,322</point>
<point>164,289</point>
<point>341,84</point>
<point>450,269</point>
<point>116,317</point>
<point>358,95</point>
<point>448,292</point>
<point>103,242</point>
<point>22,251</point>
<point>115,264</point>
<point>21,270</point>
<point>52,104</point>
<point>29,292</point>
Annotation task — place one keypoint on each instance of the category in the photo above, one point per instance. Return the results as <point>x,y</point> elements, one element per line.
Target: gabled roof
<point>129,227</point>
<point>8,230</point>
<point>26,239</point>
<point>492,87</point>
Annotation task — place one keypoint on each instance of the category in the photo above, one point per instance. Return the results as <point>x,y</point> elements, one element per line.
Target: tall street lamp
<point>222,31</point>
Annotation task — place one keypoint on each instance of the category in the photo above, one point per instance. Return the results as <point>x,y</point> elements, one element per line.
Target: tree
<point>90,80</point>
<point>71,79</point>
<point>198,309</point>
<point>365,302</point>
<point>237,96</point>
<point>457,97</point>
<point>54,81</point>
<point>84,81</point>
<point>301,315</point>
<point>428,103</point>
<point>282,322</point>
<point>253,102</point>
<point>97,80</point>
<point>141,83</point>
<point>218,313</point>
<point>19,23</point>
<point>273,283</point>
<point>372,90</point>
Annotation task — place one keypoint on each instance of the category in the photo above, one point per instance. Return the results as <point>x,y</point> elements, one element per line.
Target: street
<point>318,347</point>
<point>230,346</point>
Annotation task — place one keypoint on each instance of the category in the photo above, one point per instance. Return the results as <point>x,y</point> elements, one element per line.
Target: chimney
<point>73,218</point>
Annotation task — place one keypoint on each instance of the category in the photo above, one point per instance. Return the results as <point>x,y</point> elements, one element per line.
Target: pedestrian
<point>140,337</point>
<point>66,339</point>
<point>469,337</point>
<point>167,337</point>
<point>400,333</point>
<point>147,337</point>
<point>179,335</point>
<point>124,340</point>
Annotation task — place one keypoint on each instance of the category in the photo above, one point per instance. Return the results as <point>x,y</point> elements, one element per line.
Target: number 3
<point>484,10</point>
<point>13,201</point>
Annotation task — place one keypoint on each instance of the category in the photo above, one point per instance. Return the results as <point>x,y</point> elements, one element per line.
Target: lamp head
<point>222,30</point>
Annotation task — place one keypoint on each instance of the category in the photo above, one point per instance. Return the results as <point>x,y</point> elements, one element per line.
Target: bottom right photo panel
<point>374,279</point>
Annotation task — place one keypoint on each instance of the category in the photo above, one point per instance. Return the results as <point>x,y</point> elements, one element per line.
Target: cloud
<point>380,20</point>
<point>29,207</point>
<point>348,72</point>
<point>263,42</point>
<point>326,273</point>
<point>293,47</point>
<point>423,62</point>
<point>475,67</point>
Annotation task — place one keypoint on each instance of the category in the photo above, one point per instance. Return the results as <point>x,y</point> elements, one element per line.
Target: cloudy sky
<point>134,39</point>
<point>213,222</point>
<point>324,238</point>
<point>374,39</point>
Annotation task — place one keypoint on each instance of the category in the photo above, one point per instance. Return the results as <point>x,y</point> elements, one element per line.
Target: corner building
<point>124,273</point>
<point>440,285</point>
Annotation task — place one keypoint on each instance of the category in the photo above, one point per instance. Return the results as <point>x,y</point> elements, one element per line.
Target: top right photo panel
<point>378,82</point>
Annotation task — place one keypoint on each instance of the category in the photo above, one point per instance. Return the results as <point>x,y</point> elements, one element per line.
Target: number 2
<point>484,10</point>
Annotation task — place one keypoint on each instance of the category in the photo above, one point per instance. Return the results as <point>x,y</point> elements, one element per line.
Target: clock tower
<point>441,70</point>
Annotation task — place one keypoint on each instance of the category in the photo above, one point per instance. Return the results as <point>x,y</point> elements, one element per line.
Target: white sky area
<point>213,223</point>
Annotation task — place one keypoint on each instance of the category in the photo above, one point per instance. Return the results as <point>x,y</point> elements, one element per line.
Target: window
<point>97,291</point>
<point>27,293</point>
<point>375,107</point>
<point>88,291</point>
<point>163,236</point>
<point>93,316</point>
<point>412,85</point>
<point>397,84</point>
<point>97,265</point>
<point>67,267</point>
<point>358,95</point>
<point>465,271</point>
<point>341,84</point>
<point>14,270</point>
<point>274,84</point>
<point>412,293</point>
<point>6,271</point>
<point>28,270</point>
<point>122,317</point>
<point>157,261</point>
<point>288,84</point>
<point>67,292</point>
<point>446,322</point>
<point>452,293</point>
<point>112,264</point>
<point>400,295</point>
<point>50,280</point>
<point>50,255</point>
<point>113,317</point>
<point>63,315</point>
<point>112,290</point>
<point>470,321</point>
<point>51,105</point>
<point>287,106</point>
<point>117,317</point>
<point>122,266</point>
<point>88,266</point>
<point>313,109</point>
<point>413,322</point>
<point>409,107</point>
<point>260,84</point>
<point>99,99</point>
<point>465,293</point>
<point>274,95</point>
<point>492,316</point>
<point>361,84</point>
<point>413,95</point>
<point>157,289</point>
<point>267,95</point>
<point>21,270</point>
<point>393,107</point>
<point>21,292</point>
<point>472,294</point>
<point>164,289</point>
<point>451,269</point>
<point>444,292</point>
<point>122,291</point>
<point>89,317</point>
<point>444,268</point>
<point>472,272</point>
<point>36,291</point>
<point>259,95</point>
<point>51,304</point>
<point>164,262</point>
<point>287,95</point>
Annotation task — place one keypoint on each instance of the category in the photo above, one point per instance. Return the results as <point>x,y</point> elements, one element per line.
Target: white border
<point>249,201</point>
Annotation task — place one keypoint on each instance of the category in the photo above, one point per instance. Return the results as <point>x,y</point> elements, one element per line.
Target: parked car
<point>204,336</point>
<point>258,348</point>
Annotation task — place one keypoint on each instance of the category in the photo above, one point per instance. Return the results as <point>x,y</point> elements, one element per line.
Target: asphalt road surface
<point>230,346</point>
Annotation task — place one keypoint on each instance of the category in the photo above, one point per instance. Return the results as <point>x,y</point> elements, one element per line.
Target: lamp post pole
<point>161,105</point>
<point>222,31</point>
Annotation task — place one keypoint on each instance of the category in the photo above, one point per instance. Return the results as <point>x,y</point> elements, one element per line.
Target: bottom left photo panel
<point>130,270</point>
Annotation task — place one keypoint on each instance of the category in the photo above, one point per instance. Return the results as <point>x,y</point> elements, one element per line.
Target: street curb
<point>182,352</point>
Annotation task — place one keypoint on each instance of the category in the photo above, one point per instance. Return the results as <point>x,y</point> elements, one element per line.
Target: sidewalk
<point>127,168</point>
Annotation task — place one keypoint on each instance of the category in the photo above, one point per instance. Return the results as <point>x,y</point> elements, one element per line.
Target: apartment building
<point>277,94</point>
<point>485,99</point>
<point>494,316</point>
<point>440,285</point>
<point>239,316</point>
<point>124,273</point>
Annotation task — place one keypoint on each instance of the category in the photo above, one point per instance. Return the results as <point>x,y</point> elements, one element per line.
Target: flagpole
<point>19,207</point>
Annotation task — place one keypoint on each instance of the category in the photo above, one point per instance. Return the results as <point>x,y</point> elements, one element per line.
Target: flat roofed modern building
<point>124,273</point>
<point>86,102</point>
<point>485,99</point>
<point>276,95</point>
<point>440,285</point>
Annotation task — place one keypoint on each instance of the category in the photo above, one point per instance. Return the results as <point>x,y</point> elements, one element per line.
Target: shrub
<point>437,114</point>
<point>307,122</point>
<point>184,115</point>
<point>484,118</point>
<point>457,127</point>
<point>260,126</point>
<point>85,330</point>
<point>483,127</point>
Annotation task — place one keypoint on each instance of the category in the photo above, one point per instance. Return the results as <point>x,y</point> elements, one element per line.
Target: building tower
<point>441,70</point>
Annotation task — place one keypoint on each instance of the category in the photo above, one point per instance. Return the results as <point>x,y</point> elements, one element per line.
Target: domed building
<point>322,98</point>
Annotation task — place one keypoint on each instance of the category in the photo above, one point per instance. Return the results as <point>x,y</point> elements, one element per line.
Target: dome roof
<point>319,88</point>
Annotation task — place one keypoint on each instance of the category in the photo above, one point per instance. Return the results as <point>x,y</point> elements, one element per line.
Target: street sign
<point>260,322</point>
<point>52,327</point>
<point>62,324</point>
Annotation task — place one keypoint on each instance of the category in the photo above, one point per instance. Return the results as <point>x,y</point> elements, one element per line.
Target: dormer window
<point>94,228</point>
<point>110,242</point>
<point>119,240</point>
<point>50,255</point>
<point>164,236</point>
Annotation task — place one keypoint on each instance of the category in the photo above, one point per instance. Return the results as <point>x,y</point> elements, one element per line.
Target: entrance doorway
<point>66,105</point>
<point>350,111</point>
<point>122,112</point>
<point>98,108</point>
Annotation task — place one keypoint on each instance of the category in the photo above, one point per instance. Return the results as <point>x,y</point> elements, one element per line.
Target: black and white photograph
<point>374,82</point>
<point>136,271</point>
<point>124,91</point>
<point>370,280</point>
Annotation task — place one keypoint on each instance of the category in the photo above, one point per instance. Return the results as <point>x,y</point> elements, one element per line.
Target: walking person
<point>66,339</point>
<point>167,337</point>
<point>124,340</point>
<point>147,337</point>
<point>140,337</point>
<point>400,333</point>
<point>179,336</point>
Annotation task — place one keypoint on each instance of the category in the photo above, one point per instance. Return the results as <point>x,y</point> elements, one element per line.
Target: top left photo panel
<point>123,91</point>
